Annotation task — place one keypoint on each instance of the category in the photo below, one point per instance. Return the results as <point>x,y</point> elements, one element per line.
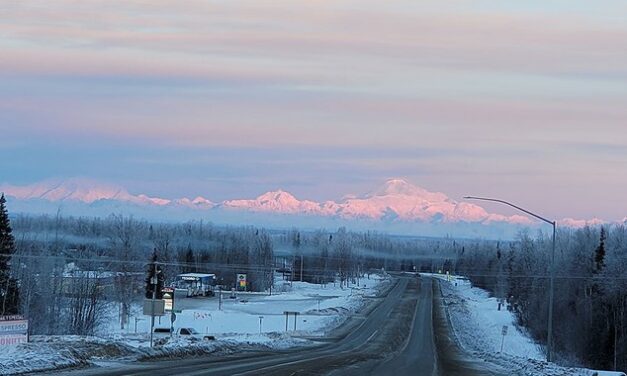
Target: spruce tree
<point>599,253</point>
<point>9,292</point>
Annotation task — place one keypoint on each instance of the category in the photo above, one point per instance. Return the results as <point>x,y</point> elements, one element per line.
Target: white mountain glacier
<point>395,202</point>
<point>276,202</point>
<point>89,191</point>
<point>398,199</point>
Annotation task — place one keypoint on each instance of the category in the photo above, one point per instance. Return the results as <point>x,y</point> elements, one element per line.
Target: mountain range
<point>394,206</point>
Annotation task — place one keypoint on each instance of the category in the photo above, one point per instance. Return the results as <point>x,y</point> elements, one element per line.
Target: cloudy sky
<point>522,100</point>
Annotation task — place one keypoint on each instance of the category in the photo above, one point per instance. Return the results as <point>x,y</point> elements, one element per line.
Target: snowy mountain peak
<point>396,187</point>
<point>74,189</point>
<point>400,187</point>
<point>395,201</point>
<point>280,202</point>
<point>279,196</point>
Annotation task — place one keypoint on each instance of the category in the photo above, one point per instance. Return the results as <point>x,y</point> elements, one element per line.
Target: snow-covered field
<point>320,307</point>
<point>236,327</point>
<point>478,326</point>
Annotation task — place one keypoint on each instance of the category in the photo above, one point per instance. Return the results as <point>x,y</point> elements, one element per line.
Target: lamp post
<point>552,277</point>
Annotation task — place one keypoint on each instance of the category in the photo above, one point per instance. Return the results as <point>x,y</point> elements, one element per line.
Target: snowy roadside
<point>478,327</point>
<point>236,328</point>
<point>46,353</point>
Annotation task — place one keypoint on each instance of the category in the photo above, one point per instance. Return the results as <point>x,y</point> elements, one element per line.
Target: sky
<point>520,100</point>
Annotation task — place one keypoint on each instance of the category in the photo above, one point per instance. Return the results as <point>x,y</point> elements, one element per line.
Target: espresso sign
<point>13,330</point>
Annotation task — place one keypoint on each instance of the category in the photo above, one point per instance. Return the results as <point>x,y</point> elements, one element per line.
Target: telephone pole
<point>154,282</point>
<point>549,341</point>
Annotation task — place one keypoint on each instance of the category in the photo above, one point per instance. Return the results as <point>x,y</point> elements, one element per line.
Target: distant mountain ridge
<point>396,201</point>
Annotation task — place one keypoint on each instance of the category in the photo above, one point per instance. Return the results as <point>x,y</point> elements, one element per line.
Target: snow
<point>235,327</point>
<point>580,223</point>
<point>395,200</point>
<point>277,202</point>
<point>476,315</point>
<point>477,326</point>
<point>321,308</point>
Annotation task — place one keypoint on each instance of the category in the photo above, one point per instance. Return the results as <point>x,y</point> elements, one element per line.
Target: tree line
<point>72,272</point>
<point>590,302</point>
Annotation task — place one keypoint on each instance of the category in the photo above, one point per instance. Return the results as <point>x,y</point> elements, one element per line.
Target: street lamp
<point>552,278</point>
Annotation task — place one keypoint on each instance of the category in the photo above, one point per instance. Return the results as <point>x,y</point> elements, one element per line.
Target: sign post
<point>168,297</point>
<point>287,315</point>
<point>503,333</point>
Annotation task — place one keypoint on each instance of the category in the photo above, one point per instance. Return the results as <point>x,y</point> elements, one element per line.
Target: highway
<point>404,335</point>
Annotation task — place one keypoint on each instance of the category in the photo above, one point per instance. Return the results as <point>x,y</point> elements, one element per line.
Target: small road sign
<point>503,333</point>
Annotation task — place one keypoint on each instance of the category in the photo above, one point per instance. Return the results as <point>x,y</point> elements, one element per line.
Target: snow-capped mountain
<point>395,202</point>
<point>398,199</point>
<point>277,202</point>
<point>88,191</point>
<point>75,189</point>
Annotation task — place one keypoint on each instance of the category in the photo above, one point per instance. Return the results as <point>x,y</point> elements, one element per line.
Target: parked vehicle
<point>184,332</point>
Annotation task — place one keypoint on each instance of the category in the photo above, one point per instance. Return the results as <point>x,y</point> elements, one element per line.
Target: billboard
<point>13,330</point>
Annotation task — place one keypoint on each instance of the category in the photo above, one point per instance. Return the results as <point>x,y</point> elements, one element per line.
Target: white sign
<point>156,308</point>
<point>13,327</point>
<point>13,339</point>
<point>13,330</point>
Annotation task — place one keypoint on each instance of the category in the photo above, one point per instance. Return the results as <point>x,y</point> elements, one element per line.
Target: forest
<point>590,289</point>
<point>65,270</point>
<point>69,268</point>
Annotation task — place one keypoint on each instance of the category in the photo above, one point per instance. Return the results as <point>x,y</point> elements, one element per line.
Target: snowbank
<point>478,326</point>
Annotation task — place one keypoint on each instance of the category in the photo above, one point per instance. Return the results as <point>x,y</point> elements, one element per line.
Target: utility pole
<point>172,314</point>
<point>301,268</point>
<point>549,345</point>
<point>549,351</point>
<point>153,281</point>
<point>292,271</point>
<point>615,336</point>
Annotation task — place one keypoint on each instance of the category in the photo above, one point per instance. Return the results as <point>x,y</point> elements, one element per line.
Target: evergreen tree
<point>8,286</point>
<point>150,273</point>
<point>599,253</point>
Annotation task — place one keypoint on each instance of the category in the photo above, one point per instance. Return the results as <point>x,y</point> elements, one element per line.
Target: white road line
<point>372,335</point>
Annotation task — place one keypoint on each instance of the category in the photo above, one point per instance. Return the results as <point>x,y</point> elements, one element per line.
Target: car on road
<point>183,332</point>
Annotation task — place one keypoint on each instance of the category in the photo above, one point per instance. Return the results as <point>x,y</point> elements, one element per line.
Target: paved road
<point>418,355</point>
<point>378,346</point>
